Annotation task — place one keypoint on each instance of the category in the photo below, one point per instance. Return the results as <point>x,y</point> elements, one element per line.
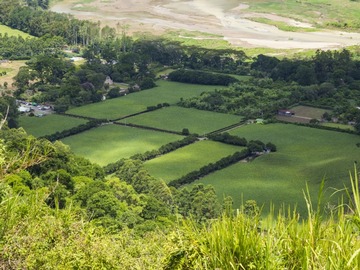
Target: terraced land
<point>46,125</point>
<point>305,156</point>
<point>176,118</point>
<point>165,92</point>
<point>189,158</point>
<point>110,143</point>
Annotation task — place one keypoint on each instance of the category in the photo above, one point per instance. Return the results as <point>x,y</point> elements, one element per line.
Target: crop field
<point>12,32</point>
<point>186,159</point>
<point>176,118</point>
<point>46,125</point>
<point>305,155</point>
<point>165,92</point>
<point>110,143</point>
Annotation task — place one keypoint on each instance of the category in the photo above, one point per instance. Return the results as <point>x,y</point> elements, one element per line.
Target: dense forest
<point>60,211</point>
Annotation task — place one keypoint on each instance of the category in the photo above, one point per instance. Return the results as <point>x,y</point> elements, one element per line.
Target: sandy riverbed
<point>210,16</point>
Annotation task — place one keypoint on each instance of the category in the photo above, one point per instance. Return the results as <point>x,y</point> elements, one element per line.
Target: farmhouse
<point>285,112</point>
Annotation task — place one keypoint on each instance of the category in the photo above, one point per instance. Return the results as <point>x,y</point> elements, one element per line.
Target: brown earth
<point>227,19</point>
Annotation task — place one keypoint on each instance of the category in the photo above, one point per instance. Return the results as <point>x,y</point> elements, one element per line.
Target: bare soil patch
<point>227,19</point>
<point>11,68</point>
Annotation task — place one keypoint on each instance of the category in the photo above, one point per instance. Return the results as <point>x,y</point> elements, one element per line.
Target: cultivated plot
<point>49,124</point>
<point>110,143</point>
<point>305,156</point>
<point>165,92</point>
<point>189,158</point>
<point>176,118</point>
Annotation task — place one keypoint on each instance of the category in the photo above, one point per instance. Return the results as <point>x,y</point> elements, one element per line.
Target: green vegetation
<point>176,118</point>
<point>184,160</point>
<point>165,92</point>
<point>110,143</point>
<point>49,124</point>
<point>340,126</point>
<point>283,25</point>
<point>333,13</point>
<point>304,155</point>
<point>5,30</point>
<point>309,112</point>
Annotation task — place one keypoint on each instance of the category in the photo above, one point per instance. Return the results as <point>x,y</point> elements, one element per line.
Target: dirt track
<point>209,16</point>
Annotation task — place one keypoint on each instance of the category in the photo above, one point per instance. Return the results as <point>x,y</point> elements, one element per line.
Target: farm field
<point>110,143</point>
<point>310,112</point>
<point>40,126</point>
<point>337,125</point>
<point>176,118</point>
<point>186,159</point>
<point>305,155</point>
<point>165,92</point>
<point>303,114</point>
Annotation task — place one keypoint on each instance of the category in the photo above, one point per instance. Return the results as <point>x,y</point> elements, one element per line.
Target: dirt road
<point>228,20</point>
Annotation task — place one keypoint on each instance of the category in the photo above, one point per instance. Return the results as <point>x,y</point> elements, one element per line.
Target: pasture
<point>165,92</point>
<point>176,118</point>
<point>189,158</point>
<point>110,143</point>
<point>303,114</point>
<point>338,125</point>
<point>309,112</point>
<point>12,32</point>
<point>305,156</point>
<point>46,125</point>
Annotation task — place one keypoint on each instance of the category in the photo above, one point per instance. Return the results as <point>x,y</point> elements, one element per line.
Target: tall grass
<point>280,241</point>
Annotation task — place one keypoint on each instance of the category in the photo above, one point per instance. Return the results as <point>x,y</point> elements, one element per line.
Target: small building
<point>285,112</point>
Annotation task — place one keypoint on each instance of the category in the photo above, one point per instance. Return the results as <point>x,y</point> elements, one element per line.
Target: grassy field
<point>176,118</point>
<point>337,125</point>
<point>305,155</point>
<point>166,91</point>
<point>303,114</point>
<point>192,157</point>
<point>12,32</point>
<point>318,12</point>
<point>110,143</point>
<point>46,125</point>
<point>310,112</point>
<point>11,68</point>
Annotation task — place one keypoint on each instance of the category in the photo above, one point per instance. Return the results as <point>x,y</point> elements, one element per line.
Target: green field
<point>309,112</point>
<point>46,125</point>
<point>110,143</point>
<point>318,12</point>
<point>176,118</point>
<point>12,32</point>
<point>189,158</point>
<point>305,155</point>
<point>337,125</point>
<point>166,91</point>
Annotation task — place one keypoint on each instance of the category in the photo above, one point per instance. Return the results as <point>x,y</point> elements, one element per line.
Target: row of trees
<point>201,77</point>
<point>212,167</point>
